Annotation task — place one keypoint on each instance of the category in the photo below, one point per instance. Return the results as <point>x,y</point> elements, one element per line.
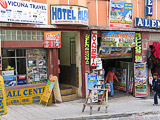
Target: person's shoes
<point>155,104</point>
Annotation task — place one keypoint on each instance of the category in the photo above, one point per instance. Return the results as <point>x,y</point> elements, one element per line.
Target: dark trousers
<point>155,97</point>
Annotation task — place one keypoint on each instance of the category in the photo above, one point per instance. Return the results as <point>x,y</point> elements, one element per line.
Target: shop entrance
<point>68,54</point>
<point>123,69</point>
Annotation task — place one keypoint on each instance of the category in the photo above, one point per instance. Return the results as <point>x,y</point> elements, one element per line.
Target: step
<point>69,96</point>
<point>68,91</point>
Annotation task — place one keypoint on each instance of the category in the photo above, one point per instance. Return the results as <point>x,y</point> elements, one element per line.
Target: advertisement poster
<point>8,73</point>
<point>93,48</point>
<point>48,88</point>
<point>140,75</point>
<point>92,80</point>
<point>3,105</point>
<point>23,12</point>
<point>114,52</point>
<point>138,47</point>
<point>120,14</point>
<point>36,77</point>
<point>122,76</point>
<point>87,37</point>
<point>67,14</point>
<point>9,80</point>
<point>52,39</point>
<point>117,39</point>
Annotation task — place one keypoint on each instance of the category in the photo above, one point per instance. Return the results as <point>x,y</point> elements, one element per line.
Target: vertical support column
<point>55,62</point>
<point>133,58</point>
<point>50,62</point>
<point>82,41</point>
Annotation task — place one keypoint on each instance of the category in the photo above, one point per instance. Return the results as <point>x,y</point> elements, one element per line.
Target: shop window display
<point>24,66</point>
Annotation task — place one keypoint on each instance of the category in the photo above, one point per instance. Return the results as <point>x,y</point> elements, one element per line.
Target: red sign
<point>93,48</point>
<point>52,39</point>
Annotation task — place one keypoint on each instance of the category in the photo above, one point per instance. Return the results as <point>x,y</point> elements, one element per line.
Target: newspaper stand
<point>103,101</point>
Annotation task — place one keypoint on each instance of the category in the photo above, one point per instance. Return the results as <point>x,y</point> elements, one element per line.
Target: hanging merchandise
<point>156,50</point>
<point>140,76</point>
<point>149,58</point>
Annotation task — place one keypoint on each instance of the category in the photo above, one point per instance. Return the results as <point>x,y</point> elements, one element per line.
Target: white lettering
<point>140,23</point>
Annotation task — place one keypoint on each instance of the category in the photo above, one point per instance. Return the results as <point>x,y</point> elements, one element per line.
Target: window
<point>22,35</point>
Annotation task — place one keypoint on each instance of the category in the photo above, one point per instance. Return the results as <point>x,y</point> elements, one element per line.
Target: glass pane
<point>8,37</point>
<point>21,66</point>
<point>38,32</point>
<point>24,33</point>
<point>19,32</point>
<point>13,32</point>
<point>24,37</point>
<point>33,32</point>
<point>29,38</point>
<point>19,37</point>
<point>3,37</point>
<point>13,37</point>
<point>21,52</point>
<point>8,52</point>
<point>28,32</point>
<point>2,31</point>
<point>38,37</point>
<point>8,64</point>
<point>8,31</point>
<point>34,38</point>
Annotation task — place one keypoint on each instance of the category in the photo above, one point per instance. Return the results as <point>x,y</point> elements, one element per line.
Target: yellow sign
<point>3,106</point>
<point>30,95</point>
<point>48,89</point>
<point>138,47</point>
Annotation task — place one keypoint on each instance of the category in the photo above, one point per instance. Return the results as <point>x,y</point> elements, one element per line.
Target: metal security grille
<point>21,35</point>
<point>154,37</point>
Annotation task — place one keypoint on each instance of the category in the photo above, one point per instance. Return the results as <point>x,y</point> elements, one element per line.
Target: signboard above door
<point>66,14</point>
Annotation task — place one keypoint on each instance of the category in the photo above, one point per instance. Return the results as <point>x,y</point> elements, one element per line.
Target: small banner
<point>87,49</point>
<point>138,47</point>
<point>3,106</point>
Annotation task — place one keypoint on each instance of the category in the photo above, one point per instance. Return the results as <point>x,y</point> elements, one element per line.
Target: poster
<point>115,52</point>
<point>36,77</point>
<point>117,39</point>
<point>48,88</point>
<point>138,47</point>
<point>30,77</point>
<point>8,73</point>
<point>92,80</point>
<point>3,106</point>
<point>140,76</point>
<point>52,39</point>
<point>93,48</point>
<point>122,76</point>
<point>23,12</point>
<point>120,14</point>
<point>87,37</point>
<point>9,80</point>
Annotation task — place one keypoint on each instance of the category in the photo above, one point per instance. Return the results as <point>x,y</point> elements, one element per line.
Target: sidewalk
<point>118,106</point>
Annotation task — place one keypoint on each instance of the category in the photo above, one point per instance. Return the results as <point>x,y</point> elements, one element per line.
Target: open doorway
<point>68,58</point>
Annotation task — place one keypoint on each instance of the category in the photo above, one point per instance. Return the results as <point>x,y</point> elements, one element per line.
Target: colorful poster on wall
<point>92,80</point>
<point>93,48</point>
<point>120,14</point>
<point>52,39</point>
<point>122,77</point>
<point>117,39</point>
<point>9,80</point>
<point>3,106</point>
<point>140,76</point>
<point>138,47</point>
<point>115,52</point>
<point>87,49</point>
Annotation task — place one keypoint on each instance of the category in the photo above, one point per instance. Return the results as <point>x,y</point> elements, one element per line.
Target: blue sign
<point>69,15</point>
<point>149,8</point>
<point>139,22</point>
<point>147,23</point>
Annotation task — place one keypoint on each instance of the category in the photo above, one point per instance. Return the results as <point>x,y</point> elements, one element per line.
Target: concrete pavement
<point>117,107</point>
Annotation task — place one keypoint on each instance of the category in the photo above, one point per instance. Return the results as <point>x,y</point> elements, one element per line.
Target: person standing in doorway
<point>156,87</point>
<point>110,78</point>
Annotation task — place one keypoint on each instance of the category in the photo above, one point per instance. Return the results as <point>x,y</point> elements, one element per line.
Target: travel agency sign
<point>73,15</point>
<point>23,12</point>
